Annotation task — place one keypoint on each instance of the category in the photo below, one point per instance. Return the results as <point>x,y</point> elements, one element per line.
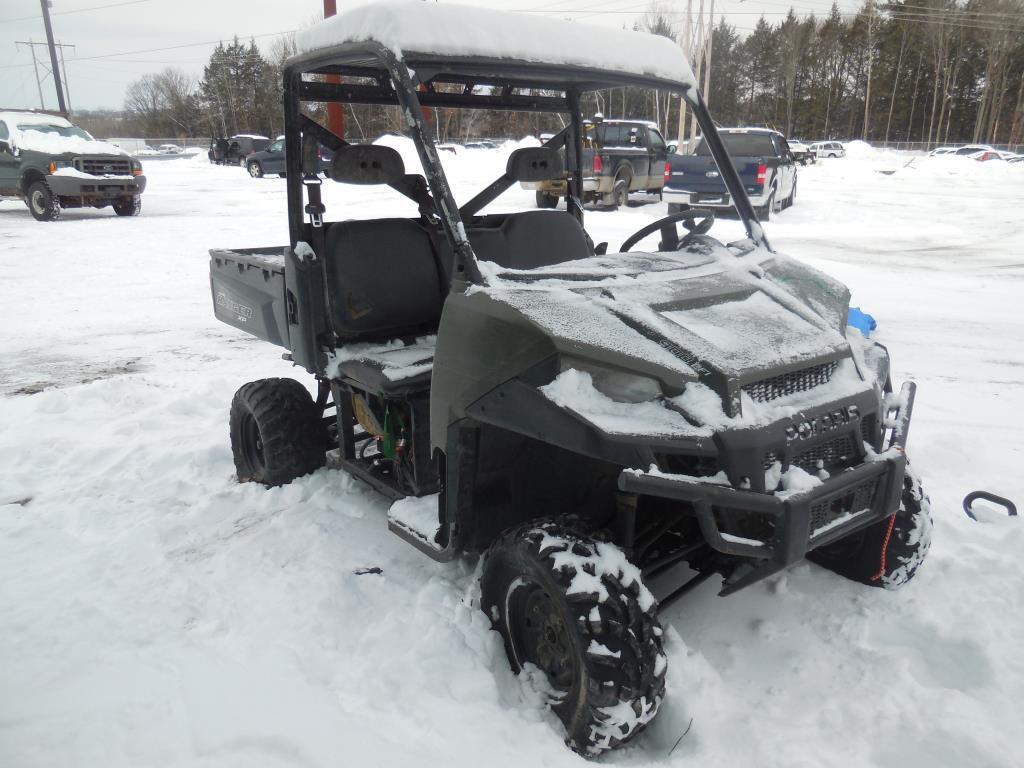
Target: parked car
<point>234,149</point>
<point>762,158</point>
<point>170,149</point>
<point>968,150</point>
<point>984,155</point>
<point>273,160</point>
<point>942,151</point>
<point>620,157</point>
<point>51,165</point>
<point>828,149</point>
<point>1015,159</point>
<point>801,152</point>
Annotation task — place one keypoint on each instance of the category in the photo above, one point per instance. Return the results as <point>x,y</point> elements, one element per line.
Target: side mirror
<point>5,147</point>
<point>367,164</point>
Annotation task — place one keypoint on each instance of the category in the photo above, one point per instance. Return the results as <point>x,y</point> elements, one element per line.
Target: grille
<point>98,166</point>
<point>840,452</point>
<point>834,453</point>
<point>830,509</point>
<point>766,390</point>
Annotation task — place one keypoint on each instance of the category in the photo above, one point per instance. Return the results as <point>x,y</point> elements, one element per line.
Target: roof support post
<point>574,156</point>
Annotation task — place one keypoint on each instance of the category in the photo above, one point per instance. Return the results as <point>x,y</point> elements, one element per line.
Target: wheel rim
<point>38,202</point>
<point>252,170</point>
<point>252,445</point>
<point>538,634</point>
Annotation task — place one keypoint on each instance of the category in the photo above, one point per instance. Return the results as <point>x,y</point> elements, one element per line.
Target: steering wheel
<point>667,225</point>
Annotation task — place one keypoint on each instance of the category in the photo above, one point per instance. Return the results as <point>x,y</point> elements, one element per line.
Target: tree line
<point>930,71</point>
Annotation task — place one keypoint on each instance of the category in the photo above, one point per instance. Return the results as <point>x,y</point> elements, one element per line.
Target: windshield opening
<point>68,131</point>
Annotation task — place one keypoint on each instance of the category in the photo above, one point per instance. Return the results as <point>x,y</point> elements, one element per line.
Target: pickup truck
<point>51,164</point>
<point>619,157</point>
<point>761,157</point>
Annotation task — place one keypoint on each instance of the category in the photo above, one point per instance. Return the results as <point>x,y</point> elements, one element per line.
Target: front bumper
<point>774,532</point>
<point>96,188</point>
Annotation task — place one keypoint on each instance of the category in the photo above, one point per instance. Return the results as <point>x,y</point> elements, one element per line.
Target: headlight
<point>136,168</point>
<point>876,360</point>
<point>621,386</point>
<point>56,164</point>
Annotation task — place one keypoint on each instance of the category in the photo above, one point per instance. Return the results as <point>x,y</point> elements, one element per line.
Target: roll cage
<point>413,82</point>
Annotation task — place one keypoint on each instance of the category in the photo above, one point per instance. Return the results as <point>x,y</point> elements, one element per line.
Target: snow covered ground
<point>153,612</point>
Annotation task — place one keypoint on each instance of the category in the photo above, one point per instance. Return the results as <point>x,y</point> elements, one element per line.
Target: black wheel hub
<point>539,635</point>
<point>252,445</point>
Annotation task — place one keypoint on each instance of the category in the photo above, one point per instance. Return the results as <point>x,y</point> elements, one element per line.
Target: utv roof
<point>422,32</point>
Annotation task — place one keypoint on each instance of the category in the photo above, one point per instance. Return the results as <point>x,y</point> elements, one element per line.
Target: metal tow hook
<point>970,498</point>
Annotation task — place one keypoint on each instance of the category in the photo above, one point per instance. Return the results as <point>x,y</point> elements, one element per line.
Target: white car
<point>828,149</point>
<point>170,149</point>
<point>942,151</point>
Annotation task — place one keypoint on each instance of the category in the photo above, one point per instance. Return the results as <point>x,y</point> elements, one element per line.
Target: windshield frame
<point>408,83</point>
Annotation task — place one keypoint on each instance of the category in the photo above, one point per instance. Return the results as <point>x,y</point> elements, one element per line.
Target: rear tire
<point>130,206</point>
<point>576,609</point>
<point>277,432</point>
<point>42,203</point>
<point>888,553</point>
<point>255,169</point>
<point>545,200</point>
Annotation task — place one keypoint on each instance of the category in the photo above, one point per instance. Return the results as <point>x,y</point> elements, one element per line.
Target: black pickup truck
<point>762,158</point>
<point>619,157</point>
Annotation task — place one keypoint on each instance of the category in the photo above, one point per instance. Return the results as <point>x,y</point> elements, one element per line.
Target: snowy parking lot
<point>157,613</point>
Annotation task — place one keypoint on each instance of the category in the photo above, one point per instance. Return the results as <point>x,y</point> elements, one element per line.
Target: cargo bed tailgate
<point>248,290</point>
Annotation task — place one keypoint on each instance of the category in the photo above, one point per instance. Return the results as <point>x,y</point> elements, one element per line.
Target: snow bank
<point>460,30</point>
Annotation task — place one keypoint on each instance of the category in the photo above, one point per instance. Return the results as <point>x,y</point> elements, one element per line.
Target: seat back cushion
<point>524,240</point>
<point>383,279</point>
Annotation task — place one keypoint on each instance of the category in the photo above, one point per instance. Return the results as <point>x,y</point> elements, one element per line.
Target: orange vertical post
<point>335,113</point>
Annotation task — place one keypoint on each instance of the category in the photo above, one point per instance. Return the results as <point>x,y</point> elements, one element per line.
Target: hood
<point>724,316</point>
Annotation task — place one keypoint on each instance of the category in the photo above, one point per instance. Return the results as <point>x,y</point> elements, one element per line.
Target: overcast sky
<point>116,40</point>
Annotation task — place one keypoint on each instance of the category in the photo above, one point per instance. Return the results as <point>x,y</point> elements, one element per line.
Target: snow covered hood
<point>27,134</point>
<point>683,313</point>
<point>460,30</point>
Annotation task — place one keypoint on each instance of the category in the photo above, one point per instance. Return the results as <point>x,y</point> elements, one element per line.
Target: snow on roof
<point>249,136</point>
<point>33,118</point>
<point>460,30</point>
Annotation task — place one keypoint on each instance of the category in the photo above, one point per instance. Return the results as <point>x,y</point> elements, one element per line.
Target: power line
<point>78,10</point>
<point>184,45</point>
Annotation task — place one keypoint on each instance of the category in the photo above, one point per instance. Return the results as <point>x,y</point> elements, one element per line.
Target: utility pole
<point>707,54</point>
<point>36,64</point>
<point>699,49</point>
<point>64,73</point>
<point>871,51</point>
<point>45,4</point>
<point>687,26</point>
<point>35,68</point>
<point>335,112</point>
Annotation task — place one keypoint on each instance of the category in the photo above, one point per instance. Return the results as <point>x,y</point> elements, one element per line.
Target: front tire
<point>131,206</point>
<point>42,203</point>
<point>888,553</point>
<point>576,609</point>
<point>255,169</point>
<point>277,432</point>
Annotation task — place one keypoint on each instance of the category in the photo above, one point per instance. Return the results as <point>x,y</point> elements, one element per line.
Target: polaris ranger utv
<point>588,421</point>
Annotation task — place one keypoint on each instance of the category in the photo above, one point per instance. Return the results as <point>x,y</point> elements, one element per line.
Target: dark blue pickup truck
<point>761,157</point>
